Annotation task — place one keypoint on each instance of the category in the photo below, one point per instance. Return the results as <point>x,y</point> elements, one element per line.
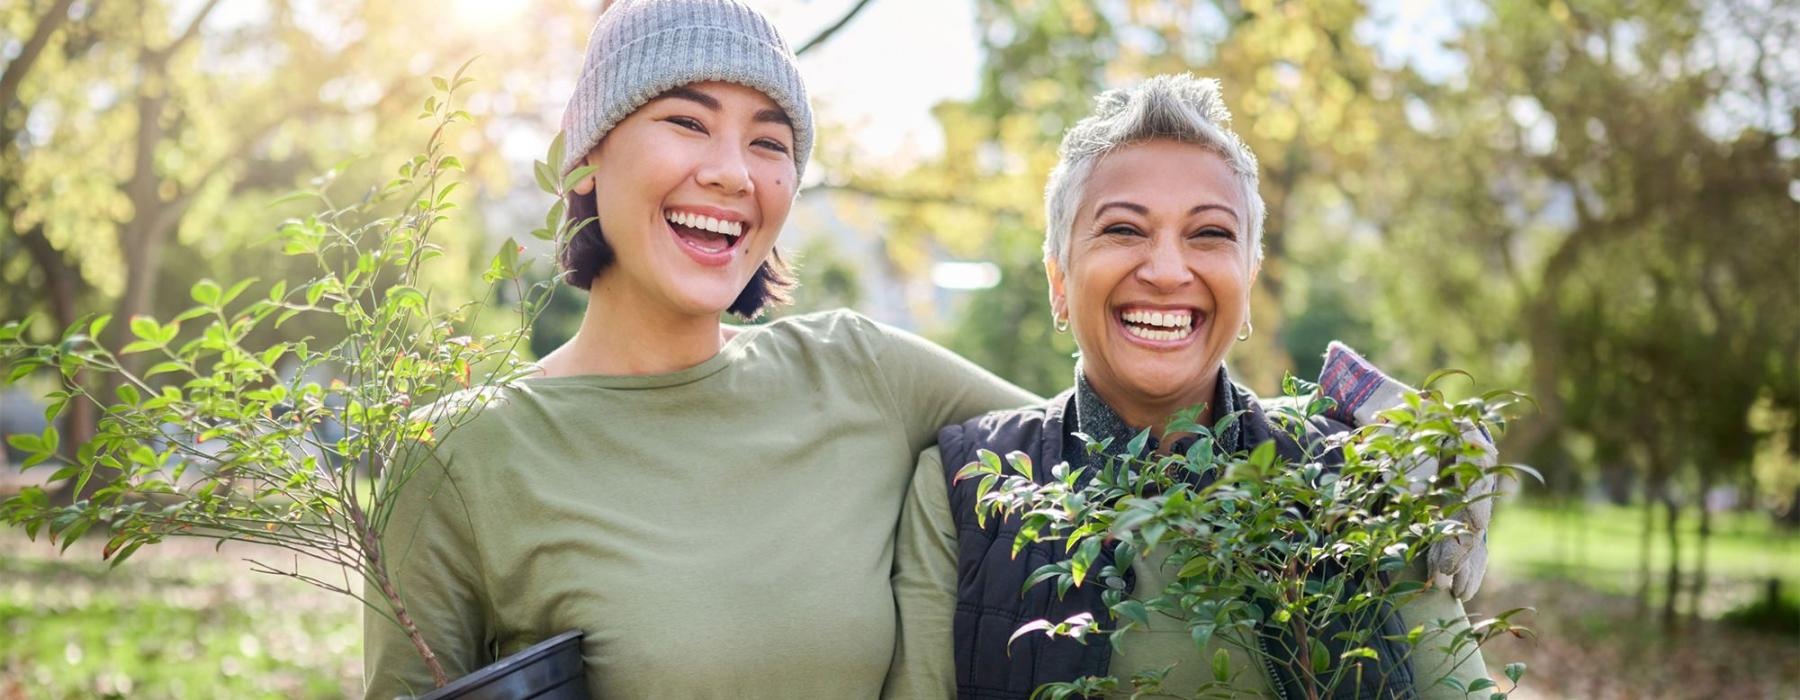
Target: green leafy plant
<point>218,439</point>
<point>1258,543</point>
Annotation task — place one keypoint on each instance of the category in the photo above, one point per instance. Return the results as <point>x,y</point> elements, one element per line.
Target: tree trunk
<point>1698,590</point>
<point>1673,579</point>
<point>62,288</point>
<point>1644,537</point>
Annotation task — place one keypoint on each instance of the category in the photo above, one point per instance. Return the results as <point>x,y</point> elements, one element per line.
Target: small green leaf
<point>25,442</point>
<point>1027,628</point>
<point>1202,634</point>
<point>144,327</point>
<point>1515,671</point>
<point>98,324</point>
<point>125,553</point>
<point>1133,610</point>
<point>553,156</point>
<point>236,289</point>
<point>575,176</point>
<point>205,292</point>
<point>1020,462</point>
<point>163,368</point>
<point>1135,448</point>
<point>545,180</point>
<point>1321,659</point>
<point>74,532</point>
<point>1221,666</point>
<point>1482,684</point>
<point>406,297</point>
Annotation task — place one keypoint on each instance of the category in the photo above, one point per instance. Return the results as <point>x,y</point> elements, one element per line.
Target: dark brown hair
<point>588,254</point>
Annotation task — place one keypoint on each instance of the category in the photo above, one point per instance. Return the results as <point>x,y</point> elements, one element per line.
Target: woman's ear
<point>586,186</point>
<point>1059,303</point>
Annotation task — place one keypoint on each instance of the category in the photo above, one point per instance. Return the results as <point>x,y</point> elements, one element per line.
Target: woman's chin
<point>1159,385</point>
<point>706,302</point>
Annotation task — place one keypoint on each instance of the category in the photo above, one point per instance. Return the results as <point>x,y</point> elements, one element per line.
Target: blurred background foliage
<point>1594,201</point>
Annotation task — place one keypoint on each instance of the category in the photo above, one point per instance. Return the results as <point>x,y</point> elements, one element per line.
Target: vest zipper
<point>1269,665</point>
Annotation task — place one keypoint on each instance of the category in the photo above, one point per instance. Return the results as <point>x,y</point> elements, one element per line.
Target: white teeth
<point>1148,334</point>
<point>1174,319</point>
<point>706,223</point>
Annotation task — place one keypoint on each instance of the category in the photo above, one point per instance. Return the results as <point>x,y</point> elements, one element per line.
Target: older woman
<point>1152,246</point>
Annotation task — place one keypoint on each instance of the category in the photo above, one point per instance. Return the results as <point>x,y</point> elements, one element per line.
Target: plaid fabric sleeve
<point>1349,380</point>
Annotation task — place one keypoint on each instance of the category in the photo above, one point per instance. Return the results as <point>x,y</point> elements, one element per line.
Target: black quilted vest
<point>990,607</point>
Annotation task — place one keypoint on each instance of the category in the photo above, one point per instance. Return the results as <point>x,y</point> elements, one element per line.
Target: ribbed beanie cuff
<point>642,48</point>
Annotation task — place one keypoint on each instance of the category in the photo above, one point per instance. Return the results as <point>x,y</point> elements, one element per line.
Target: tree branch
<point>825,34</point>
<point>62,281</point>
<point>40,36</point>
<point>193,30</point>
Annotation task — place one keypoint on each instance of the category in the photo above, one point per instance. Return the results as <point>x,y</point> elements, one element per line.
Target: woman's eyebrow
<point>1220,207</point>
<point>692,95</point>
<point>1140,209</point>
<point>773,116</point>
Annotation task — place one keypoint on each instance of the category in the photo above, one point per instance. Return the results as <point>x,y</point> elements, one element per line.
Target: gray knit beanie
<point>642,48</point>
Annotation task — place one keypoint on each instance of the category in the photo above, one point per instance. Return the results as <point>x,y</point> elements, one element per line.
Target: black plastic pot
<point>548,670</point>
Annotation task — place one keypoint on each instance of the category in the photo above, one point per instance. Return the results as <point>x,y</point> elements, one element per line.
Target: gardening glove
<point>1362,392</point>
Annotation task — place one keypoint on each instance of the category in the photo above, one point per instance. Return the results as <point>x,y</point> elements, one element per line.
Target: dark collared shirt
<point>1096,419</point>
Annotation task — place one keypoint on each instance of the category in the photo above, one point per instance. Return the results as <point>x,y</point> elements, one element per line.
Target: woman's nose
<point>726,170</point>
<point>1163,267</point>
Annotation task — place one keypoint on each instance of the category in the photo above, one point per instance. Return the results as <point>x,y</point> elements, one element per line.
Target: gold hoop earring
<point>1248,330</point>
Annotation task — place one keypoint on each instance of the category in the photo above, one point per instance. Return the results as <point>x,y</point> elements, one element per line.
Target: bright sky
<point>882,73</point>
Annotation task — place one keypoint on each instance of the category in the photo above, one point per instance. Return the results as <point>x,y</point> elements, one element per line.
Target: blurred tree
<point>1609,182</point>
<point>136,135</point>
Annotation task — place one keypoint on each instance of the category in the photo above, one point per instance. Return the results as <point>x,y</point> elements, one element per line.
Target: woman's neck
<point>1154,413</point>
<point>622,336</point>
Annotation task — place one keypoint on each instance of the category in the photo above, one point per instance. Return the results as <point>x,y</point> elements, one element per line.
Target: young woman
<point>712,505</point>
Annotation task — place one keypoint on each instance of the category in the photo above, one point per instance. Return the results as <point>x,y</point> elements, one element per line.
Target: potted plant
<point>1263,549</point>
<point>219,439</point>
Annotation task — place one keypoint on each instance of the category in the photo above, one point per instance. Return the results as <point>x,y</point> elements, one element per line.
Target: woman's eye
<point>688,123</point>
<point>772,145</point>
<point>1121,229</point>
<point>1215,232</point>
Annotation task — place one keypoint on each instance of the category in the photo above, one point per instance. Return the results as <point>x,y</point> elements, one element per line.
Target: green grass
<point>181,623</point>
<point>1599,546</point>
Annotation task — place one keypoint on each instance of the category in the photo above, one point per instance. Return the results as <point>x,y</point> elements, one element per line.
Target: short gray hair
<point>1180,108</point>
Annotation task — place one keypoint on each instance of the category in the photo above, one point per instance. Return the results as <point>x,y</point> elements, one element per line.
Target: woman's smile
<point>709,236</point>
<point>1159,327</point>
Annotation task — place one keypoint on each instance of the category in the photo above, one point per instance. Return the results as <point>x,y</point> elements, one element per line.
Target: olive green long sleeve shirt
<point>721,531</point>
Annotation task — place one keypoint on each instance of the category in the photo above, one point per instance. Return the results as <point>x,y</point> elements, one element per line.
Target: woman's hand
<point>1362,391</point>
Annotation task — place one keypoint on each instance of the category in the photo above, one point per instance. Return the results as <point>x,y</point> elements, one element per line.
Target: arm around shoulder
<point>933,387</point>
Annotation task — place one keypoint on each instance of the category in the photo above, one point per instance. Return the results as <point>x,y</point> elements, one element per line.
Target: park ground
<point>183,621</point>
